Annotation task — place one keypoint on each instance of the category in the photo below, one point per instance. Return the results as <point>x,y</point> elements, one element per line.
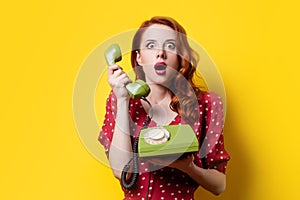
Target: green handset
<point>136,89</point>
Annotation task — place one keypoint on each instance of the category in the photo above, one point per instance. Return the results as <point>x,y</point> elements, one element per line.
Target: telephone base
<point>182,139</point>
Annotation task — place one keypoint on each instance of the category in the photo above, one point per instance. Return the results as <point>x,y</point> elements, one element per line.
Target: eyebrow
<point>153,40</point>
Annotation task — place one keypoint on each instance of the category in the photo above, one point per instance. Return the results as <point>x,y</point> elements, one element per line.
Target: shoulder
<point>210,98</point>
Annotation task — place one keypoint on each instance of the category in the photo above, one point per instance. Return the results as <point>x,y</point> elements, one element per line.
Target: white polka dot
<point>161,186</point>
<point>142,187</point>
<point>163,191</point>
<point>138,194</point>
<point>179,191</point>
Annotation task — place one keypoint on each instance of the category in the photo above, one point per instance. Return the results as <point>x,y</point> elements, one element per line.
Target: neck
<point>158,94</point>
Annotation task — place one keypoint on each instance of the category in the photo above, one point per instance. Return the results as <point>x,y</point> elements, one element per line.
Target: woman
<point>162,57</point>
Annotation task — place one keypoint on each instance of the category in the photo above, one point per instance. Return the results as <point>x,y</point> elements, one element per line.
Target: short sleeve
<point>107,131</point>
<point>212,150</point>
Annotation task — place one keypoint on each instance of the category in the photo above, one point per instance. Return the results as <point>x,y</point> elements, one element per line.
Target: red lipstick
<point>160,68</point>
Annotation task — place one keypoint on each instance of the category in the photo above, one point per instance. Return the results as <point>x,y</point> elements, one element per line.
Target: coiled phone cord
<point>135,174</point>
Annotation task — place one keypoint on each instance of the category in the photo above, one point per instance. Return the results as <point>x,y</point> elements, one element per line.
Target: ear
<point>138,58</point>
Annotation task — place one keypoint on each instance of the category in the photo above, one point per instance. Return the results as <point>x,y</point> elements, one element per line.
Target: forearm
<point>120,150</point>
<point>210,179</point>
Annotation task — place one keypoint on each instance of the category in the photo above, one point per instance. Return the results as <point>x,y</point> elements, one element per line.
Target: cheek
<point>174,62</point>
<point>147,57</point>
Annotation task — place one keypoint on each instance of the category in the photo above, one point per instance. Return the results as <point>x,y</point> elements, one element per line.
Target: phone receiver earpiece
<point>113,54</point>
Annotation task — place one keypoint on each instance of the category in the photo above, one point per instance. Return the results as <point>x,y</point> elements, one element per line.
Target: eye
<point>171,45</point>
<point>150,45</point>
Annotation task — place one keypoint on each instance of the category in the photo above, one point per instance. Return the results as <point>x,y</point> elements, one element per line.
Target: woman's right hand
<point>117,80</point>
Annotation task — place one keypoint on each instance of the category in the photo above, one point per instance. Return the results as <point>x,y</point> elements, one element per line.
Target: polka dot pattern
<point>168,183</point>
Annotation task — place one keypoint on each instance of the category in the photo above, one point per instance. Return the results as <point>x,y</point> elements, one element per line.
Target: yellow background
<point>43,44</point>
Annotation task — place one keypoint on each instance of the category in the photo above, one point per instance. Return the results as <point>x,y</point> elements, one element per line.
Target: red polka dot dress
<point>168,183</point>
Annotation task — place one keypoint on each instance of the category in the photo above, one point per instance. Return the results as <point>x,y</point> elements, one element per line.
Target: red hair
<point>184,91</point>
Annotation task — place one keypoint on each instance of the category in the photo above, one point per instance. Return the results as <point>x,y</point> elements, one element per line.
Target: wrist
<point>123,100</point>
<point>190,169</point>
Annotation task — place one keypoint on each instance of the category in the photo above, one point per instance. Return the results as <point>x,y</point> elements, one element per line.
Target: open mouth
<point>160,68</point>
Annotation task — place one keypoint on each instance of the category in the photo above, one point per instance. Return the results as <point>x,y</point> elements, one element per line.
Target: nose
<point>161,53</point>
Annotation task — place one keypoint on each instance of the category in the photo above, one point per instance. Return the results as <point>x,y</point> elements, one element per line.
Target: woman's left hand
<point>183,164</point>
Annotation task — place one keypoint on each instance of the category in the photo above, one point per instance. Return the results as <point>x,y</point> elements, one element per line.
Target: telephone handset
<point>137,89</point>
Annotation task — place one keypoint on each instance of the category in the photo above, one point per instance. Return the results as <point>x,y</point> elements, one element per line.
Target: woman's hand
<point>117,80</point>
<point>184,164</point>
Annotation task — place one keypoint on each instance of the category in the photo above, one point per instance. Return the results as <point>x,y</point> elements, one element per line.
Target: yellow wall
<point>43,44</point>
